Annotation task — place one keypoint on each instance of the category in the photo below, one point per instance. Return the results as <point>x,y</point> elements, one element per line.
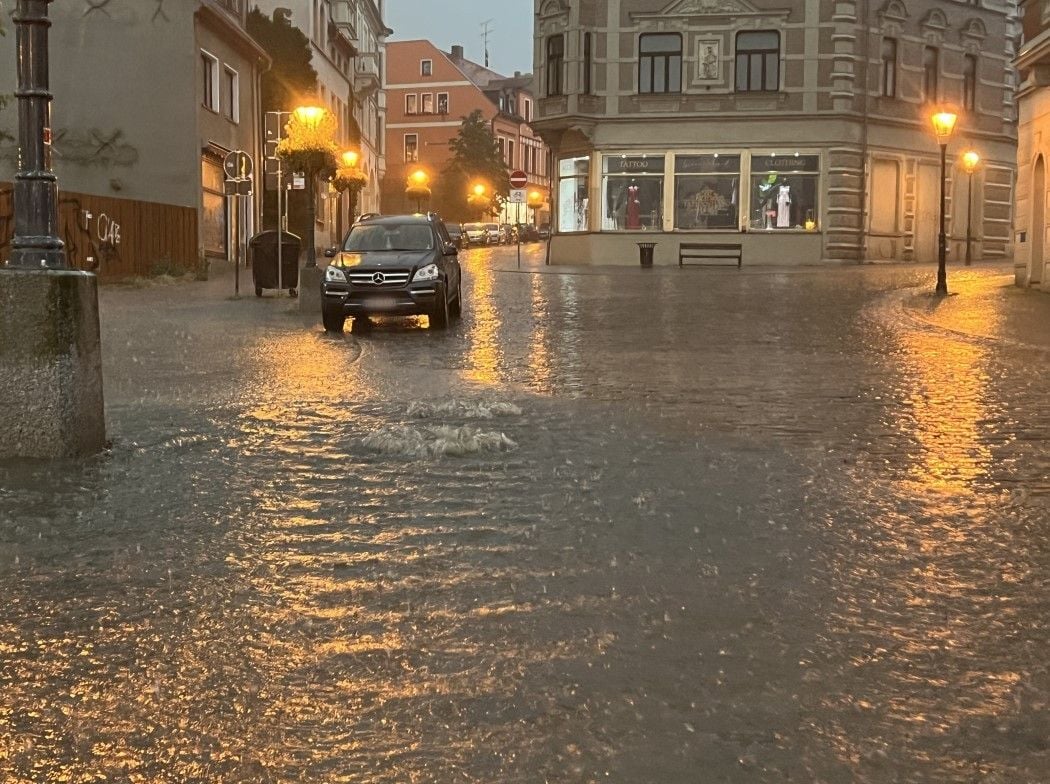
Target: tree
<point>475,158</point>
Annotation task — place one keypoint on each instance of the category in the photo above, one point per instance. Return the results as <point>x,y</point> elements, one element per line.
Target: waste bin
<point>645,253</point>
<point>263,248</point>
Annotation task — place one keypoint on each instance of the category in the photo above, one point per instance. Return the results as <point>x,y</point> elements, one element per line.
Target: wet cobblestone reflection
<point>614,526</point>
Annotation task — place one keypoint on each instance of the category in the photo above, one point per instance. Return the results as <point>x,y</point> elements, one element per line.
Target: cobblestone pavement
<point>616,525</point>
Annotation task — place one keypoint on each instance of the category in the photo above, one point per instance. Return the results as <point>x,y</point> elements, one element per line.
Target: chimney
<point>457,52</point>
<point>517,74</point>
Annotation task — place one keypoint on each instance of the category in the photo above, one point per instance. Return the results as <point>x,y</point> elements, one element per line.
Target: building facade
<point>347,43</point>
<point>798,128</point>
<point>1033,150</point>
<point>430,91</point>
<point>140,169</point>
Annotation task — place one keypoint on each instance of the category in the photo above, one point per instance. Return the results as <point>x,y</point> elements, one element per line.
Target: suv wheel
<point>333,318</point>
<point>439,315</point>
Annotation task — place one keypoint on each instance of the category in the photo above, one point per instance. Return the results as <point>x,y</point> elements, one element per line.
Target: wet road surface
<point>614,526</point>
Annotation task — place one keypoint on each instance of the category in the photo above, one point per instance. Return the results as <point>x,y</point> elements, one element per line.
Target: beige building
<point>797,128</point>
<point>1033,148</point>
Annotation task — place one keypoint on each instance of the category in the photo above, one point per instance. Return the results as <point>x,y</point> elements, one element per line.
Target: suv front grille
<point>379,278</point>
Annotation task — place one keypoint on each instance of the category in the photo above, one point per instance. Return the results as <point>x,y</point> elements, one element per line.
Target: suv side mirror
<point>451,249</point>
<point>330,253</point>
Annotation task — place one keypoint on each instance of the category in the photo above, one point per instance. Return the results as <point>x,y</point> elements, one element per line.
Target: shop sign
<point>707,164</point>
<point>634,164</point>
<point>785,163</point>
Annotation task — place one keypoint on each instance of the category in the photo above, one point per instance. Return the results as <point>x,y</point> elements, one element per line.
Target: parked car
<point>393,265</point>
<point>455,231</point>
<point>475,232</point>
<point>493,235</point>
<point>528,232</point>
<point>544,232</point>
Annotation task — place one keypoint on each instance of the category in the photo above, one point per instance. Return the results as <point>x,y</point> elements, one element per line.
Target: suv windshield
<point>390,236</point>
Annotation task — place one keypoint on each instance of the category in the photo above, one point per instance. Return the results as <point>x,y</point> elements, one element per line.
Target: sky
<point>448,22</point>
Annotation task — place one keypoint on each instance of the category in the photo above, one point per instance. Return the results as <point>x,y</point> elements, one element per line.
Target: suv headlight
<point>429,272</point>
<point>334,274</point>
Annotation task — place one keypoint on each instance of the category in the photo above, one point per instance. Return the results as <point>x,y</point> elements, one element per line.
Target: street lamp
<point>479,197</point>
<point>535,202</point>
<point>309,146</point>
<point>348,177</point>
<point>970,160</point>
<point>418,187</point>
<point>943,126</point>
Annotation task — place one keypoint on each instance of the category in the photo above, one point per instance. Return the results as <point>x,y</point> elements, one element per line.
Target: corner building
<point>798,128</point>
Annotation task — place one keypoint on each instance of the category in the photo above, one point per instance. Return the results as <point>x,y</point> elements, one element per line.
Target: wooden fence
<point>116,238</point>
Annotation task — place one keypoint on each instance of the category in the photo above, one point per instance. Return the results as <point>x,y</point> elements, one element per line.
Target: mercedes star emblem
<point>378,278</point>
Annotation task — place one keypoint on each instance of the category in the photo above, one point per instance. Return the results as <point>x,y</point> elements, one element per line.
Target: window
<point>888,87</point>
<point>511,160</point>
<point>632,192</point>
<point>929,74</point>
<point>970,82</point>
<point>411,103</point>
<point>555,61</point>
<point>428,103</point>
<point>573,183</point>
<point>426,67</point>
<point>784,190</point>
<point>231,94</point>
<point>501,145</point>
<point>707,191</point>
<point>213,215</point>
<point>442,103</point>
<point>586,64</point>
<point>758,62</point>
<point>660,63</point>
<point>411,147</point>
<point>527,109</point>
<point>210,95</point>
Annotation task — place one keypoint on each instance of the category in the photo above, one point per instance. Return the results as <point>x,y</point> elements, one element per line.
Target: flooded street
<point>615,525</point>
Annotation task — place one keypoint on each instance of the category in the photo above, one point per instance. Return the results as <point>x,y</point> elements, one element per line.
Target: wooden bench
<point>710,253</point>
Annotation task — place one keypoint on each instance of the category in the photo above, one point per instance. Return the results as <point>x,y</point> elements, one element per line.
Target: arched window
<point>758,61</point>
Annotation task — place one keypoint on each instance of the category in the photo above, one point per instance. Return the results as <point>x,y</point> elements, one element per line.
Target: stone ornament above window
<point>934,25</point>
<point>553,17</point>
<point>975,30</point>
<point>893,12</point>
<point>693,8</point>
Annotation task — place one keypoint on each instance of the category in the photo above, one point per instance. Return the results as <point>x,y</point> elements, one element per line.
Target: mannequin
<point>783,197</point>
<point>633,207</point>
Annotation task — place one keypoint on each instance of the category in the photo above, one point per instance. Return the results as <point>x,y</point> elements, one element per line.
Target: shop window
<point>784,192</point>
<point>970,82</point>
<point>555,63</point>
<point>758,61</point>
<point>213,208</point>
<point>929,74</point>
<point>632,192</point>
<point>660,63</point>
<point>573,184</point>
<point>707,191</point>
<point>888,88</point>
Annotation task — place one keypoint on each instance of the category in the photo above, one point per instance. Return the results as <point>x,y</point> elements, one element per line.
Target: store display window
<point>573,182</point>
<point>706,191</point>
<point>632,192</point>
<point>784,192</point>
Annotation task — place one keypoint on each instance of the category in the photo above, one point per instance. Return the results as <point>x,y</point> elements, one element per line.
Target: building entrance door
<point>1037,231</point>
<point>927,212</point>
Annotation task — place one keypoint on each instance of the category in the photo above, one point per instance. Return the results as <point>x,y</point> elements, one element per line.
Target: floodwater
<point>616,525</point>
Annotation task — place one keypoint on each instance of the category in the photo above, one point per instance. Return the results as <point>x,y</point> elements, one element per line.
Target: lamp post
<point>535,202</point>
<point>309,146</point>
<point>349,162</point>
<point>970,159</point>
<point>943,126</point>
<point>478,197</point>
<point>418,187</point>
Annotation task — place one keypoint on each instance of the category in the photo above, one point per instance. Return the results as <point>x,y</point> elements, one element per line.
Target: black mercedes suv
<point>393,265</point>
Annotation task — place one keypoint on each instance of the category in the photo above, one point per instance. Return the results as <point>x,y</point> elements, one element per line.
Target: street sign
<point>237,165</point>
<point>518,179</point>
<point>298,182</point>
<point>517,196</point>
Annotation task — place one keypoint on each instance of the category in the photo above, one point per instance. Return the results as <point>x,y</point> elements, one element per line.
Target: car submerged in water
<point>393,265</point>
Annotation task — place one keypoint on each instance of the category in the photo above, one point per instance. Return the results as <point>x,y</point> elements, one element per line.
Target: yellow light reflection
<point>484,353</point>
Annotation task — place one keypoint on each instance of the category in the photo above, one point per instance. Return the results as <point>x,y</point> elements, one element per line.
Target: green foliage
<point>291,77</point>
<point>475,158</point>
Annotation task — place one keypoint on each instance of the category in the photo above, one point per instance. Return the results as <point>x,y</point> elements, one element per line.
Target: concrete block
<point>51,403</point>
<point>310,292</point>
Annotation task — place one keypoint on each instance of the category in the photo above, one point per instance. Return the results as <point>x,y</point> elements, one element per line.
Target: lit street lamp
<point>970,160</point>
<point>418,187</point>
<point>479,197</point>
<point>349,178</point>
<point>943,126</point>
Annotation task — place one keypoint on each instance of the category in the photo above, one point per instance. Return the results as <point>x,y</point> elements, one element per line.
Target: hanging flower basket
<point>307,161</point>
<point>417,192</point>
<point>352,180</point>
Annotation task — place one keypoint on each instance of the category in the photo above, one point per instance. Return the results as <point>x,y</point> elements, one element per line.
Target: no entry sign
<point>518,179</point>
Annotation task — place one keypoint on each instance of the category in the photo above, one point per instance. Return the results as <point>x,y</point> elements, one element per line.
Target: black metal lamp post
<point>943,126</point>
<point>36,243</point>
<point>970,159</point>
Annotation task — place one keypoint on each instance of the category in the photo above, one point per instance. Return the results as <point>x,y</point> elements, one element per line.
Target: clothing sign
<point>634,164</point>
<point>707,164</point>
<point>786,163</point>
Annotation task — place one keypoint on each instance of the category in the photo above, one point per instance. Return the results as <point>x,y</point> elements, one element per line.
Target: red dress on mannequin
<point>633,207</point>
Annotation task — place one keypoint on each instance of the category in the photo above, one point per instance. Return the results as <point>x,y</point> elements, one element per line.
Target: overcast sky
<point>448,22</point>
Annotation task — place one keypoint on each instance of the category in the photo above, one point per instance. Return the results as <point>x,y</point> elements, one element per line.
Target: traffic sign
<point>237,165</point>
<point>517,196</point>
<point>518,179</point>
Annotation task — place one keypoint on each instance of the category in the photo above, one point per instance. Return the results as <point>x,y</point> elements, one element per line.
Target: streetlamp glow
<point>419,177</point>
<point>309,116</point>
<point>943,122</point>
<point>970,161</point>
<point>350,158</point>
<point>418,187</point>
<point>479,189</point>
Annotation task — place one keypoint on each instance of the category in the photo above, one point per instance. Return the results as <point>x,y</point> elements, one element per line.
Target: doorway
<point>927,212</point>
<point>1037,231</point>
